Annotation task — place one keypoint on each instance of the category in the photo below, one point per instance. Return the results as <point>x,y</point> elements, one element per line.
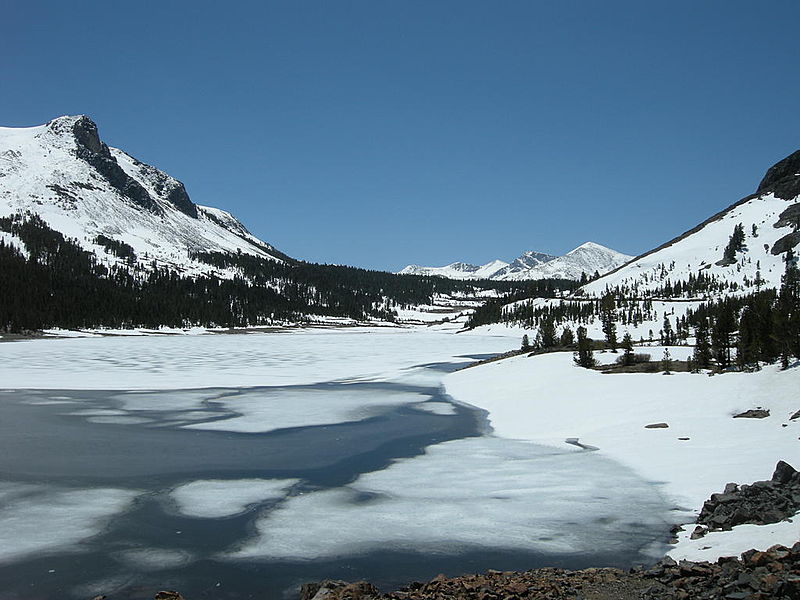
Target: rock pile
<point>761,503</point>
<point>773,574</point>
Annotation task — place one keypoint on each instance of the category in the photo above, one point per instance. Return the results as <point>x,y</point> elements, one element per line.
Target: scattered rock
<point>683,439</point>
<point>656,426</point>
<point>795,416</point>
<point>754,413</point>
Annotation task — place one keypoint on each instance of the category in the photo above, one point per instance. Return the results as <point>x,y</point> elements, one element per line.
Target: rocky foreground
<point>773,574</point>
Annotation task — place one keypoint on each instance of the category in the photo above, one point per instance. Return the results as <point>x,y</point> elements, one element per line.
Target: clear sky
<point>381,133</point>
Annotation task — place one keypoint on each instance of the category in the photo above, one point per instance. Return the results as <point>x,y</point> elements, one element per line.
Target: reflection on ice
<point>222,498</point>
<point>38,520</point>
<point>467,494</point>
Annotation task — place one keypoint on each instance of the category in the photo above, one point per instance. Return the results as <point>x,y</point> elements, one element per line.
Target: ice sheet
<point>217,498</point>
<point>47,520</point>
<point>267,410</point>
<point>274,359</point>
<point>466,494</point>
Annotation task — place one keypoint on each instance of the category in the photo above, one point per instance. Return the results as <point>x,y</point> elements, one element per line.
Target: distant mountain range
<point>588,258</point>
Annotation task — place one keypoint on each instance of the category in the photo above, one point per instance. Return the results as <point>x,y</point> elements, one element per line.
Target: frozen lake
<point>248,464</point>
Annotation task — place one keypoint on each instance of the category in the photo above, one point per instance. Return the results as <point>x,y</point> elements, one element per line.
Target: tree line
<point>53,282</point>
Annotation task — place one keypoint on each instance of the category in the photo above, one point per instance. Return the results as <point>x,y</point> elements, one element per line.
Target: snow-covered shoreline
<point>547,399</point>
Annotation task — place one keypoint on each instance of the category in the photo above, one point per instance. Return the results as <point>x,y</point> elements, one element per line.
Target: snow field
<point>547,399</point>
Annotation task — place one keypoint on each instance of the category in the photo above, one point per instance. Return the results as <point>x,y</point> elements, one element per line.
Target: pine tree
<point>627,347</point>
<point>567,337</point>
<point>526,344</point>
<point>608,319</point>
<point>584,356</point>
<point>735,244</point>
<point>787,311</point>
<point>702,348</point>
<point>546,338</point>
<point>667,335</point>
<point>722,334</point>
<point>666,362</point>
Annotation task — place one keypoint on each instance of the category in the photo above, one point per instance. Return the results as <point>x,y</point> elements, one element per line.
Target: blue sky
<point>382,133</point>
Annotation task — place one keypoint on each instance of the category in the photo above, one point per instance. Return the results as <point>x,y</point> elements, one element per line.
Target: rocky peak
<point>782,178</point>
<point>85,132</point>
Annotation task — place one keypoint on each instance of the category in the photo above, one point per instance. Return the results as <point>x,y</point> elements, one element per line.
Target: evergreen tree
<point>526,345</point>
<point>608,319</point>
<point>567,337</point>
<point>584,356</point>
<point>702,348</point>
<point>787,311</point>
<point>666,362</point>
<point>546,338</point>
<point>735,244</point>
<point>627,347</point>
<point>667,335</point>
<point>722,335</point>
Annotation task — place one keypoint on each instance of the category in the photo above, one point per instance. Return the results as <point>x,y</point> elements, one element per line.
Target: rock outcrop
<point>761,503</point>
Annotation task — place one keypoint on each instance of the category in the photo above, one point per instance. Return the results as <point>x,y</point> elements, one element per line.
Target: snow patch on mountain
<point>80,187</point>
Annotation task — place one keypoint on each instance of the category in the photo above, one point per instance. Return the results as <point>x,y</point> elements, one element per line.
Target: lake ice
<point>228,459</point>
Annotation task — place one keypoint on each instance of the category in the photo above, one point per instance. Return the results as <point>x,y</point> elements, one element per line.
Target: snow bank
<point>547,399</point>
<point>739,539</point>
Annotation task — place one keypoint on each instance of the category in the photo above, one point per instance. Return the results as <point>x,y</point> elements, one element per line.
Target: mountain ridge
<point>588,258</point>
<point>64,172</point>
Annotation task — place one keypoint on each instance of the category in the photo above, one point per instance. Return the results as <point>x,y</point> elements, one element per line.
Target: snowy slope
<point>549,400</point>
<point>773,210</point>
<point>64,173</point>
<point>586,258</point>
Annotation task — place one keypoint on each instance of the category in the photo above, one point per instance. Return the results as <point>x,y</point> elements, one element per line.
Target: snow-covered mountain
<point>770,222</point>
<point>458,270</point>
<point>80,187</point>
<point>587,258</point>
